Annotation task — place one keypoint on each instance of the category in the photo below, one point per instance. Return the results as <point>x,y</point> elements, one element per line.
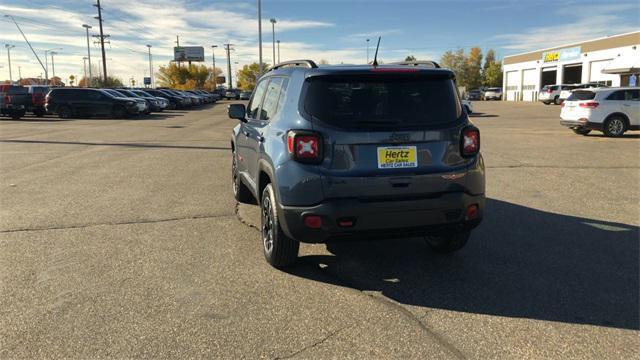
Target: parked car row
<point>493,93</point>
<point>556,94</point>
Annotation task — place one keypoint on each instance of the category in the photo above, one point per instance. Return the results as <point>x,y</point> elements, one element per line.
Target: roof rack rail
<point>293,63</point>
<point>425,63</point>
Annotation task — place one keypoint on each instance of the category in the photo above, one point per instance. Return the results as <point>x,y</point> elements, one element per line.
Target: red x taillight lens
<point>304,146</point>
<point>470,141</point>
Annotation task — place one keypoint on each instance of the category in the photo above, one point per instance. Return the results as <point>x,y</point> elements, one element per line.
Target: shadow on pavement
<point>520,262</point>
<point>481,115</point>
<point>132,145</point>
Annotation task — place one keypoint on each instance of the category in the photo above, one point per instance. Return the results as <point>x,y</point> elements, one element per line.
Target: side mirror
<point>237,111</point>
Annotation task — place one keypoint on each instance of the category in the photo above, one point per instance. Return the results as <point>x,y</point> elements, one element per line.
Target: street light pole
<point>278,41</point>
<point>53,67</point>
<point>228,48</point>
<point>213,59</point>
<point>367,51</point>
<point>150,67</point>
<point>84,61</point>
<point>260,36</point>
<point>273,32</point>
<point>9,47</point>
<point>87,27</point>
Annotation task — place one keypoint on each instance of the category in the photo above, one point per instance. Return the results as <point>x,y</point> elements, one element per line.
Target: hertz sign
<point>561,55</point>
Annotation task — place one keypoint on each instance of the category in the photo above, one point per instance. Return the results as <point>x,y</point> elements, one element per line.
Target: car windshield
<point>142,93</point>
<point>581,95</point>
<point>112,93</point>
<point>390,101</point>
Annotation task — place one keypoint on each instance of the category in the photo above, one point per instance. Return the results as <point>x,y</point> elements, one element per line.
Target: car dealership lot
<point>120,238</point>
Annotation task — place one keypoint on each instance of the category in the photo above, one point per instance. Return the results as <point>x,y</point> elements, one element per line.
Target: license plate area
<point>397,157</point>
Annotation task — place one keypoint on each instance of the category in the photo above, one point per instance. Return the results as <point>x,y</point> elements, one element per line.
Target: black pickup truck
<point>14,101</point>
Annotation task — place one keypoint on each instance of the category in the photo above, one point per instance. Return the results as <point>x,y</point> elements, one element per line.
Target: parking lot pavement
<point>120,238</point>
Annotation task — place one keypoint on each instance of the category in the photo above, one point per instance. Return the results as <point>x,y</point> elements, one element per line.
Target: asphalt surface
<point>121,239</point>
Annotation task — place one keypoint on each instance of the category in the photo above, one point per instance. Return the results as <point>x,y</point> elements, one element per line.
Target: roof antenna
<point>375,57</point>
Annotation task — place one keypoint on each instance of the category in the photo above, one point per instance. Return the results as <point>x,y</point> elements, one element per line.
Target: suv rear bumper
<point>577,124</point>
<point>376,219</point>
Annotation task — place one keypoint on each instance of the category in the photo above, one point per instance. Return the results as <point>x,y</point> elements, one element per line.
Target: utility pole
<point>9,47</point>
<point>273,32</point>
<point>213,58</point>
<point>260,36</point>
<point>278,41</point>
<point>87,27</point>
<point>19,73</point>
<point>228,48</point>
<point>177,45</point>
<point>150,66</point>
<point>84,61</point>
<point>102,36</point>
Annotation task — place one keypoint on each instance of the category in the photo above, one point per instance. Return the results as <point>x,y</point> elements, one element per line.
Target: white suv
<point>610,110</point>
<point>566,92</point>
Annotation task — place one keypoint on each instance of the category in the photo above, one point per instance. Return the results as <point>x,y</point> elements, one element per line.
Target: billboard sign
<point>567,54</point>
<point>188,53</point>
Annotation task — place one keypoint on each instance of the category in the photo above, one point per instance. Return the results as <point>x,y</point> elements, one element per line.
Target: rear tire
<point>582,131</point>
<point>615,126</point>
<point>16,114</point>
<point>448,243</point>
<point>279,250</point>
<point>556,100</point>
<point>65,112</point>
<point>38,113</point>
<point>240,191</point>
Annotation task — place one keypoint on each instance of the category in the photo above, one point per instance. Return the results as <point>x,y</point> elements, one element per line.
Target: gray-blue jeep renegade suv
<point>336,152</point>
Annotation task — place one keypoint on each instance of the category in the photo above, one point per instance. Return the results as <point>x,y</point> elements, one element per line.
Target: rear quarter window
<point>384,102</point>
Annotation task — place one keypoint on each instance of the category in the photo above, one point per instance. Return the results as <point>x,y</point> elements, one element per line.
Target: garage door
<point>512,86</point>
<point>595,72</point>
<point>529,91</point>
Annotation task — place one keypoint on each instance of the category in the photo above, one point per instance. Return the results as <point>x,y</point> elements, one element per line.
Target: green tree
<point>247,76</point>
<point>456,62</point>
<point>492,71</point>
<point>410,58</point>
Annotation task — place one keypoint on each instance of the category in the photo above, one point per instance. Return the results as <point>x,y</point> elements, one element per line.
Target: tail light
<point>470,141</point>
<point>590,104</point>
<point>304,146</point>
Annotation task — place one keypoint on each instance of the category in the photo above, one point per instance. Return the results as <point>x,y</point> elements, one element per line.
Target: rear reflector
<point>472,211</point>
<point>347,222</point>
<point>313,221</point>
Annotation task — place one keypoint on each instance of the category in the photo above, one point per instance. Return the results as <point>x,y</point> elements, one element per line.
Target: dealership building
<point>612,60</point>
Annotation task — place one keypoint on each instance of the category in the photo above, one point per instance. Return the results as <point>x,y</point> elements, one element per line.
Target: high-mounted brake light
<point>304,146</point>
<point>590,104</point>
<point>470,141</point>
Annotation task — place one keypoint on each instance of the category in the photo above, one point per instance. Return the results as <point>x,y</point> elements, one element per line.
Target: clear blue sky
<point>330,29</point>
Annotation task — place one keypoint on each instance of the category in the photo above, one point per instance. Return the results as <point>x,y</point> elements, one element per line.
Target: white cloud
<point>583,22</point>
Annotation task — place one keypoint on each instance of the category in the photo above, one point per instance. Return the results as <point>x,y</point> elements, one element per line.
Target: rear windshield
<point>382,102</point>
<point>581,95</point>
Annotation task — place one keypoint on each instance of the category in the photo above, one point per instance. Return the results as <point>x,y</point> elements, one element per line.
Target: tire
<point>279,250</point>
<point>240,191</point>
<point>118,112</point>
<point>65,112</point>
<point>38,112</point>
<point>16,114</point>
<point>581,131</point>
<point>615,126</point>
<point>448,243</point>
<point>557,101</point>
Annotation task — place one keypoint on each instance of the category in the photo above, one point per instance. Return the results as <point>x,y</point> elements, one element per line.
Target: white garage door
<point>512,85</point>
<point>529,79</point>
<point>595,72</point>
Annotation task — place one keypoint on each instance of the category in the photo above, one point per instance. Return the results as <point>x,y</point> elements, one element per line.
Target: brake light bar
<point>304,146</point>
<point>590,104</point>
<point>470,141</point>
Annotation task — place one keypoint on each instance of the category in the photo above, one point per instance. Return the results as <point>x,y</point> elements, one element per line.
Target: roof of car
<point>359,69</point>
<point>610,88</point>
